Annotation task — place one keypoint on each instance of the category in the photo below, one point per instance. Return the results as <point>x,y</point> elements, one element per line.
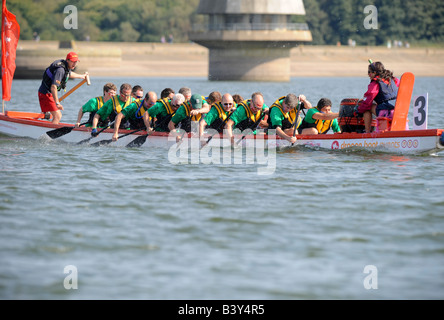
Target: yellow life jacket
<point>140,109</point>
<point>117,107</point>
<point>323,125</point>
<point>220,110</point>
<point>250,115</point>
<point>99,102</point>
<point>188,109</point>
<point>167,104</point>
<point>290,116</point>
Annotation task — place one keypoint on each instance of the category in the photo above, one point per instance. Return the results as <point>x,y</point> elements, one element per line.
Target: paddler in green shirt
<point>112,107</point>
<point>283,114</point>
<point>164,110</point>
<point>320,119</point>
<point>136,113</point>
<point>218,115</point>
<point>247,114</point>
<point>94,104</point>
<point>184,115</point>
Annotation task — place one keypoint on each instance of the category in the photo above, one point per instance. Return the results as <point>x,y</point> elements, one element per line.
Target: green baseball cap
<point>196,101</point>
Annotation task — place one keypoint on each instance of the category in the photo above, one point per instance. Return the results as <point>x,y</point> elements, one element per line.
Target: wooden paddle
<point>254,126</point>
<point>108,141</point>
<point>98,132</point>
<point>76,87</point>
<point>56,133</point>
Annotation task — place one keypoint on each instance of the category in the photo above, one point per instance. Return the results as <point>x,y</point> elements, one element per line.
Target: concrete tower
<point>250,39</point>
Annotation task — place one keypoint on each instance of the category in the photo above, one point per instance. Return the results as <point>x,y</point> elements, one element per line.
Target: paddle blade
<point>101,143</point>
<point>84,141</point>
<point>140,140</point>
<point>53,134</point>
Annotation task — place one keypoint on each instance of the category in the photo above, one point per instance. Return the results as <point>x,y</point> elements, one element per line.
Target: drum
<point>348,107</point>
<point>349,120</point>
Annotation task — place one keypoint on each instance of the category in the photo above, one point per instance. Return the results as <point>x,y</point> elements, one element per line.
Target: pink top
<point>370,95</point>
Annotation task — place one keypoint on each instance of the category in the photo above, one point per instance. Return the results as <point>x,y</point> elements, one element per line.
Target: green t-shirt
<point>130,111</point>
<point>309,119</point>
<point>180,114</point>
<point>240,114</point>
<point>212,115</point>
<point>91,105</point>
<point>107,108</point>
<point>157,109</point>
<point>276,117</point>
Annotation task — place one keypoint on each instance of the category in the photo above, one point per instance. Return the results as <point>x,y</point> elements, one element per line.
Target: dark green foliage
<point>330,21</point>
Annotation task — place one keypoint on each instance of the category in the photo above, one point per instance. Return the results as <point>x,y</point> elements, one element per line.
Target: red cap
<point>72,56</point>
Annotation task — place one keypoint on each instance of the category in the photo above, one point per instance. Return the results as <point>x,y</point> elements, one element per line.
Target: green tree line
<point>412,21</point>
<point>330,21</point>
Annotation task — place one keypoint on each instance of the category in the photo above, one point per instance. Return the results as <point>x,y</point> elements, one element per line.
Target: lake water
<point>129,224</point>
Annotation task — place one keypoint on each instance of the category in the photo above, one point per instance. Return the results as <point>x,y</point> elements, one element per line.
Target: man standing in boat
<point>54,79</point>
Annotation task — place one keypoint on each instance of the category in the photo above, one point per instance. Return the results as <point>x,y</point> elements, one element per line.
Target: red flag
<point>10,37</point>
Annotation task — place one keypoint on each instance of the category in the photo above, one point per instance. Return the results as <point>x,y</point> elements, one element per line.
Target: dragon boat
<point>390,134</point>
<point>35,126</point>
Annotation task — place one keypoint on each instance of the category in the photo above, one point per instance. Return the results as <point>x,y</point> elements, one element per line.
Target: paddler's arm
<point>55,96</point>
<point>285,136</point>
<point>229,128</point>
<point>74,75</point>
<point>205,109</point>
<point>119,118</point>
<point>146,120</point>
<point>202,125</point>
<point>79,116</point>
<point>172,127</point>
<point>265,114</point>
<point>94,125</point>
<point>325,116</point>
<point>303,99</point>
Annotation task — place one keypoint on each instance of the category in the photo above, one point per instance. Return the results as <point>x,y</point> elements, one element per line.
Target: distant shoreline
<point>191,60</point>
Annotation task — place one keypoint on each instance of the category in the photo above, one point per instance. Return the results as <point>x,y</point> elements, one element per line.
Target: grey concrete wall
<point>244,64</point>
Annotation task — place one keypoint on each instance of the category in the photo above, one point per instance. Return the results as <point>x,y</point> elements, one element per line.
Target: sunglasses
<point>227,104</point>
